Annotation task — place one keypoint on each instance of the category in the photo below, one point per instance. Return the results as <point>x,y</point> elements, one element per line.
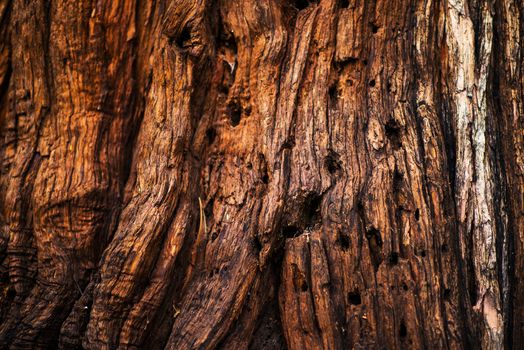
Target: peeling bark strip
<point>261,174</point>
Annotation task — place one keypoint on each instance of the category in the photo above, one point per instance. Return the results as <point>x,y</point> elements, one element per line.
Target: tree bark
<point>270,174</point>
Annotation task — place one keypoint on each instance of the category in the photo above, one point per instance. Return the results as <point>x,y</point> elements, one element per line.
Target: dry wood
<point>270,174</point>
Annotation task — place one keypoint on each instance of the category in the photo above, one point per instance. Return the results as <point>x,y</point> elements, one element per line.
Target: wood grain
<point>331,174</point>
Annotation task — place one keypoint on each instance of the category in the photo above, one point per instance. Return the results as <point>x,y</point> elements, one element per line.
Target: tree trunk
<point>269,174</point>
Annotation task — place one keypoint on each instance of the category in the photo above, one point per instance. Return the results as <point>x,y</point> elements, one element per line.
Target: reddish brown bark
<point>261,174</point>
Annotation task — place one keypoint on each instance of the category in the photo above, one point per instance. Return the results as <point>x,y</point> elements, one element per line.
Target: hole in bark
<point>214,236</point>
<point>265,178</point>
<point>403,331</point>
<point>392,130</point>
<point>447,294</point>
<point>257,244</point>
<point>290,231</point>
<point>208,210</point>
<point>343,241</point>
<point>184,38</point>
<point>344,3</point>
<point>354,298</point>
<point>301,4</point>
<point>211,135</point>
<point>365,62</point>
<point>374,28</point>
<point>312,209</point>
<point>375,246</point>
<point>289,143</point>
<point>421,252</point>
<point>405,286</point>
<point>264,175</point>
<point>393,258</point>
<point>417,214</point>
<point>346,61</point>
<point>333,92</point>
<point>304,287</point>
<point>235,113</point>
<point>332,162</point>
<point>372,83</point>
<point>223,88</point>
<point>444,248</point>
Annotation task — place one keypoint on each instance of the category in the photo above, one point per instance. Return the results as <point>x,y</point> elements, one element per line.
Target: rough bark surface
<point>270,174</point>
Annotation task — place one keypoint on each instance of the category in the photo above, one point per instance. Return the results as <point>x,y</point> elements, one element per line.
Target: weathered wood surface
<point>271,174</point>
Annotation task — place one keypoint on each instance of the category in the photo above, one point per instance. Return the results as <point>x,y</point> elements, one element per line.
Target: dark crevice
<point>392,130</point>
<point>450,142</point>
<point>375,246</point>
<point>289,143</point>
<point>301,4</point>
<point>503,199</point>
<point>420,252</point>
<point>446,294</point>
<point>211,135</point>
<point>354,298</point>
<point>4,86</point>
<point>332,162</point>
<point>268,334</point>
<point>393,258</point>
<point>264,172</point>
<point>403,331</point>
<point>417,214</point>
<point>333,92</point>
<point>343,241</point>
<point>472,281</point>
<point>235,113</point>
<point>312,210</point>
<point>183,39</point>
<point>291,231</point>
<point>344,3</point>
<point>374,28</point>
<point>372,83</point>
<point>338,65</point>
<point>388,87</point>
<point>304,218</point>
<point>257,244</point>
<point>208,210</point>
<point>226,40</point>
<point>304,287</point>
<point>265,177</point>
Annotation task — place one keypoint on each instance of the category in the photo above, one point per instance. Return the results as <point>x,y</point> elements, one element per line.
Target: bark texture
<point>270,174</point>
